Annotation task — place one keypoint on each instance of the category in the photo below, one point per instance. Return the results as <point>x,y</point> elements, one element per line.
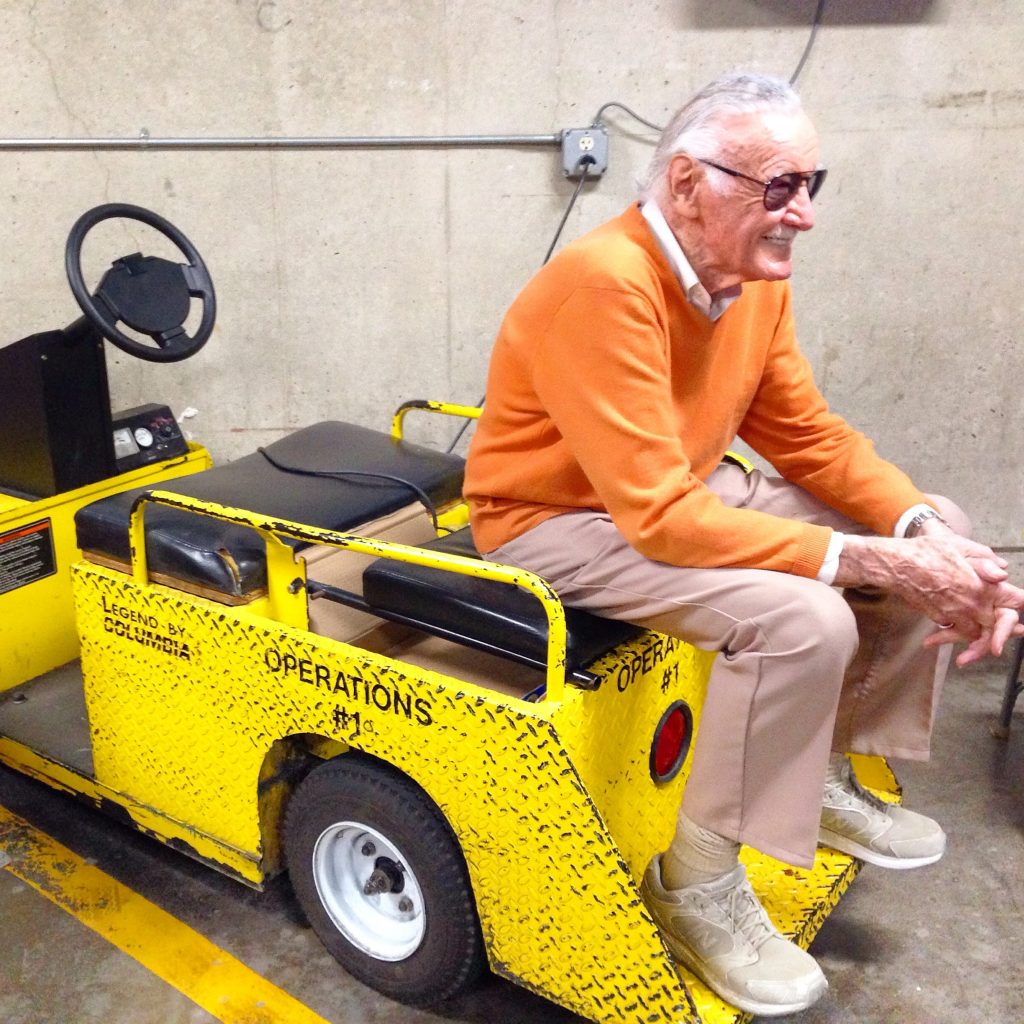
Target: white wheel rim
<point>388,925</point>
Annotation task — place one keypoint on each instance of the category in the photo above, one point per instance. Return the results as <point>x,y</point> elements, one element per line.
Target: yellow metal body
<point>199,712</point>
<point>37,626</point>
<point>192,706</point>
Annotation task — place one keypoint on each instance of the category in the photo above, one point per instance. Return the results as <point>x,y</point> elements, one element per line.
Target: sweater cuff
<point>813,549</point>
<point>829,568</point>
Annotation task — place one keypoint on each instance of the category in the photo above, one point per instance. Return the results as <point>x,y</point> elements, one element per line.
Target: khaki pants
<point>803,668</point>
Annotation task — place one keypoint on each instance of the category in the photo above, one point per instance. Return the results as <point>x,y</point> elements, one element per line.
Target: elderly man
<point>621,375</point>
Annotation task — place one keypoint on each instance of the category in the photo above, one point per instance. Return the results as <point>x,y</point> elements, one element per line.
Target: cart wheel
<point>382,880</point>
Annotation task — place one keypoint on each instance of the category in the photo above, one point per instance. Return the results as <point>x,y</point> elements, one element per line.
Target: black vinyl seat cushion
<point>486,614</point>
<point>231,559</point>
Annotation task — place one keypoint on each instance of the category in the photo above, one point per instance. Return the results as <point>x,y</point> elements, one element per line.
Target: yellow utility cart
<point>296,661</point>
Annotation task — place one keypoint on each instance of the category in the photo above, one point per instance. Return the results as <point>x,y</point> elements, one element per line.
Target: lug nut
<point>368,850</point>
<point>405,904</point>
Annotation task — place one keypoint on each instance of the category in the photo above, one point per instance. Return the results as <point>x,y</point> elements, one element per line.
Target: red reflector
<point>671,742</point>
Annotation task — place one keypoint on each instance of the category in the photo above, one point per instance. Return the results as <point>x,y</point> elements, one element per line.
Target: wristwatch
<point>920,519</point>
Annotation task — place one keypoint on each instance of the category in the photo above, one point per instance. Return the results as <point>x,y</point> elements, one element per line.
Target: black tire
<point>419,942</point>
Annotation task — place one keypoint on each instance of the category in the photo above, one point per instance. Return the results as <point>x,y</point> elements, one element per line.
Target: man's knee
<point>807,620</point>
<point>830,622</point>
<point>952,513</point>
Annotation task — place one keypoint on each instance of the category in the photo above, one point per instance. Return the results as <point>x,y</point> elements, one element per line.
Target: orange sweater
<point>609,391</point>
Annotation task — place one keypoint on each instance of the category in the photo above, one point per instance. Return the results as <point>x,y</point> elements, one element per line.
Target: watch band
<point>920,519</point>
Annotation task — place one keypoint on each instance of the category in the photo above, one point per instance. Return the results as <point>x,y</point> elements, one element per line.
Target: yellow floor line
<point>200,970</point>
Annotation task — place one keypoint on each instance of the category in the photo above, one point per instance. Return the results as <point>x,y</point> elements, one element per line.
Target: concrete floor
<point>921,947</point>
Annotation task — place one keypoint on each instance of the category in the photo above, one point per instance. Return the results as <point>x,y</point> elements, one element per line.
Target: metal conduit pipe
<point>145,141</point>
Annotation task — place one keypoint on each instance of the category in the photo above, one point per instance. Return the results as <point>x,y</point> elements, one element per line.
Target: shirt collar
<point>697,295</point>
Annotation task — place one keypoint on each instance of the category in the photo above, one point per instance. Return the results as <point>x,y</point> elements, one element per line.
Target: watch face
<point>143,436</point>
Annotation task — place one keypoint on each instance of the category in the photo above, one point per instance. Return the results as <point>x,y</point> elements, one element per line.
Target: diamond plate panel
<point>552,803</point>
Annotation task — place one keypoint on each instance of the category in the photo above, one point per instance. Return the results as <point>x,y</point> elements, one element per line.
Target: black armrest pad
<point>495,614</point>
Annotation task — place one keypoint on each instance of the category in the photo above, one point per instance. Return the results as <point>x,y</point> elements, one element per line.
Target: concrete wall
<point>348,281</point>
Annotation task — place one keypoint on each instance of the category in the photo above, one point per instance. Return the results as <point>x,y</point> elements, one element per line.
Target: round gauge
<point>143,436</point>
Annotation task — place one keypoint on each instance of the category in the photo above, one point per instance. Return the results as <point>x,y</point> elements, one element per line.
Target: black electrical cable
<point>584,166</point>
<point>340,474</point>
<point>462,430</point>
<point>810,42</point>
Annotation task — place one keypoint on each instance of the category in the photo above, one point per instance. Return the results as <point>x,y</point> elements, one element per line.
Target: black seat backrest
<point>485,614</point>
<point>231,559</point>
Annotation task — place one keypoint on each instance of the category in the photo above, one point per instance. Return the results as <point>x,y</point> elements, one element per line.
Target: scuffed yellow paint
<point>213,979</point>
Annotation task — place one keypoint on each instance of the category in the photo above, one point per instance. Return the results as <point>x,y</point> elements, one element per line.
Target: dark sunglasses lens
<point>781,190</point>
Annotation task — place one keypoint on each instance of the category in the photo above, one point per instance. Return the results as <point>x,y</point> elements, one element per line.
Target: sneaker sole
<point>682,954</point>
<point>846,845</point>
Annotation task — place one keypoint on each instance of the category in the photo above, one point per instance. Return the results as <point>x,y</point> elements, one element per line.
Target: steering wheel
<point>149,294</point>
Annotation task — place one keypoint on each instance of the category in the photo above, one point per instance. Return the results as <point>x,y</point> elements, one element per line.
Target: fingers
<point>978,648</point>
<point>988,643</point>
<point>975,651</point>
<point>980,607</point>
<point>1010,596</point>
<point>951,635</point>
<point>991,640</point>
<point>1007,620</point>
<point>989,569</point>
<point>973,548</point>
<point>974,604</point>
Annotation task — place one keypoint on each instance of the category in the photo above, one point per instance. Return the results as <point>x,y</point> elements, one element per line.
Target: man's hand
<point>1007,622</point>
<point>956,582</point>
<point>989,641</point>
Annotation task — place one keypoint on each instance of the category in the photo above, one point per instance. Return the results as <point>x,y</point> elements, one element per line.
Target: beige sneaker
<point>856,822</point>
<point>719,930</point>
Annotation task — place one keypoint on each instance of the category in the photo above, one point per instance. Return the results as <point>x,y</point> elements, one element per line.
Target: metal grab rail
<point>469,412</point>
<point>280,562</point>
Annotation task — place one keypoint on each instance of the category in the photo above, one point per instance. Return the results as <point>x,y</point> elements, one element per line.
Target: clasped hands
<point>961,585</point>
<point>992,614</point>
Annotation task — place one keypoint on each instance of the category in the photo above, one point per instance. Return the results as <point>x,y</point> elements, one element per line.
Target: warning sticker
<point>26,555</point>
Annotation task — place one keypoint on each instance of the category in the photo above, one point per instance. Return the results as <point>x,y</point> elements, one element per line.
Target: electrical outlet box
<point>581,143</point>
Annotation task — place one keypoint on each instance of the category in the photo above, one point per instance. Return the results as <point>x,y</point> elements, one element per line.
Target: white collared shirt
<point>699,297</point>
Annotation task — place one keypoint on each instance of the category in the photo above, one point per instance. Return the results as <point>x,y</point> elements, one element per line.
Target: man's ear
<point>682,179</point>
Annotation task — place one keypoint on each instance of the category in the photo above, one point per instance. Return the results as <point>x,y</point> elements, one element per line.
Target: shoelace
<point>742,908</point>
<point>848,792</point>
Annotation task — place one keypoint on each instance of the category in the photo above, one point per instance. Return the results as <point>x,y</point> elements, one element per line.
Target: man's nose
<point>800,210</point>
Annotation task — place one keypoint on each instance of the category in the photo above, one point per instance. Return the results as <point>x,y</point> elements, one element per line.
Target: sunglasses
<point>781,189</point>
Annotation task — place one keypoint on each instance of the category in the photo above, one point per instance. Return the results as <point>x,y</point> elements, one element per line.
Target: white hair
<point>698,127</point>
